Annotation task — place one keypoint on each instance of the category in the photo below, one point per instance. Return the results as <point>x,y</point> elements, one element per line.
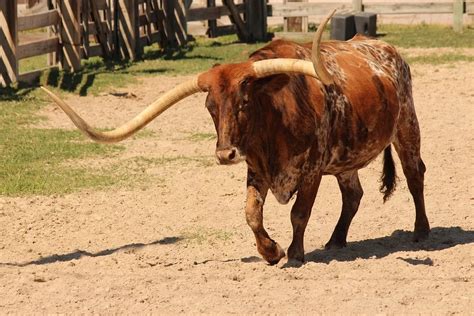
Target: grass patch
<point>199,137</point>
<point>435,59</point>
<point>33,63</point>
<point>32,158</point>
<point>427,36</point>
<point>201,161</point>
<point>205,236</point>
<point>97,74</point>
<point>144,133</point>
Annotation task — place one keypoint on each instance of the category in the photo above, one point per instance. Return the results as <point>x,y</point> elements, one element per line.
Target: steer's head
<point>228,103</point>
<point>228,100</point>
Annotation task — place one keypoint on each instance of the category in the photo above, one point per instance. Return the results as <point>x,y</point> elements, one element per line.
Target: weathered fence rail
<point>211,13</point>
<point>295,9</point>
<point>303,9</point>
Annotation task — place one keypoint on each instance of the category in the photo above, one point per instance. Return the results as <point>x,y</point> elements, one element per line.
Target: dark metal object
<point>342,27</point>
<point>366,23</point>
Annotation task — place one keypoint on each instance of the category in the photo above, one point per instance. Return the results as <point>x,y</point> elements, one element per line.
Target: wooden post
<point>102,34</point>
<point>53,30</point>
<point>8,42</point>
<point>129,29</point>
<point>181,24</point>
<point>211,24</point>
<point>71,33</point>
<point>149,22</point>
<point>160,22</point>
<point>256,14</point>
<point>175,22</point>
<point>295,24</point>
<point>116,37</point>
<point>85,27</point>
<point>357,5</point>
<point>458,11</point>
<point>237,20</point>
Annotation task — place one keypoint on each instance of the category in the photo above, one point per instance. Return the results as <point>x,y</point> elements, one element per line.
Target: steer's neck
<point>282,134</point>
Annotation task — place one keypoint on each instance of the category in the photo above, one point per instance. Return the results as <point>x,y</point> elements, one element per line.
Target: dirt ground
<point>180,243</point>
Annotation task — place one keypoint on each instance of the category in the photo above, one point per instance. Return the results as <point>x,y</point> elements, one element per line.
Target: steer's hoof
<point>295,253</point>
<point>421,235</point>
<point>335,244</point>
<point>274,254</point>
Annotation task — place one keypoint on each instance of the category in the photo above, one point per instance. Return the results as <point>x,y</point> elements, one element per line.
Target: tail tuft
<point>389,175</point>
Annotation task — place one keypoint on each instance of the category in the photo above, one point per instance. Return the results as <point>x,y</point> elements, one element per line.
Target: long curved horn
<point>315,68</point>
<point>138,122</point>
<point>316,57</point>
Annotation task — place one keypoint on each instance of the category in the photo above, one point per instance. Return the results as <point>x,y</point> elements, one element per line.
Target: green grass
<point>201,161</point>
<point>33,158</point>
<point>426,36</point>
<point>435,59</point>
<point>32,63</point>
<point>205,236</point>
<point>199,137</point>
<point>98,75</point>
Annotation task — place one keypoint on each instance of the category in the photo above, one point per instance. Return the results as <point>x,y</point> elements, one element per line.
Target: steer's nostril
<point>232,154</point>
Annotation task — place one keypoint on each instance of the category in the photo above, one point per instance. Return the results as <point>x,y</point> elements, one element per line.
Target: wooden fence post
<point>236,19</point>
<point>175,23</point>
<point>129,29</point>
<point>85,27</point>
<point>256,19</point>
<point>357,5</point>
<point>53,59</point>
<point>458,11</point>
<point>8,42</point>
<point>71,33</point>
<point>211,24</point>
<point>295,24</point>
<point>102,33</point>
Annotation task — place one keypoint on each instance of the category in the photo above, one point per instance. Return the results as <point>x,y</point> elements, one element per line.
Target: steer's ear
<point>271,84</point>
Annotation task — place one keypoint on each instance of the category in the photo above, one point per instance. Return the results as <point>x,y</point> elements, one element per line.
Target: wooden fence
<point>298,8</point>
<point>79,29</point>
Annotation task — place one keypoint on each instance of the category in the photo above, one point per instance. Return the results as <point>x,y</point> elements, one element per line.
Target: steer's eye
<point>244,104</point>
<point>211,107</point>
<point>244,94</point>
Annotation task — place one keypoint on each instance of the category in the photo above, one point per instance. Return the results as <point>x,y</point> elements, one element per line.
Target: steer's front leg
<point>267,247</point>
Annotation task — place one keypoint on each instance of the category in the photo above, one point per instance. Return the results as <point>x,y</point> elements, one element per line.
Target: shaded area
<point>427,262</point>
<point>250,259</point>
<point>82,253</point>
<point>400,240</point>
<point>17,93</point>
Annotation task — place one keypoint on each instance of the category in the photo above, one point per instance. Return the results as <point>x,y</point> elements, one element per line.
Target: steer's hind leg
<point>352,192</point>
<point>407,145</point>
<point>267,247</point>
<point>300,214</point>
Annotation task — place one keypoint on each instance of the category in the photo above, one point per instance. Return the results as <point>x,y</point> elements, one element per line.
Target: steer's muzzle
<point>229,156</point>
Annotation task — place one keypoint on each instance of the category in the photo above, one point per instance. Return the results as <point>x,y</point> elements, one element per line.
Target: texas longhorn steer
<point>295,113</point>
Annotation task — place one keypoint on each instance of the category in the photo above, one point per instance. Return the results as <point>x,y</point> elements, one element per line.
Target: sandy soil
<point>180,243</point>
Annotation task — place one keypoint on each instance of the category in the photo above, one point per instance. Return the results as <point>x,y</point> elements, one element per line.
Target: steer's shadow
<point>400,240</point>
<point>82,253</point>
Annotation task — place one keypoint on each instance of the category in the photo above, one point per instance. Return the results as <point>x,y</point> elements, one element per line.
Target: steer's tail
<point>389,175</point>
